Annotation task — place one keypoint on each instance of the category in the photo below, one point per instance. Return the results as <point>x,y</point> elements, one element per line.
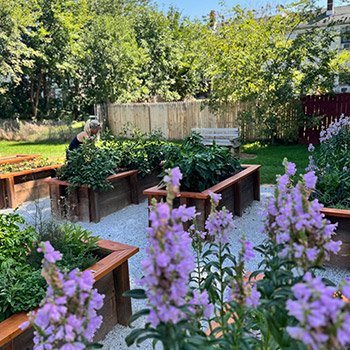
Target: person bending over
<point>91,128</point>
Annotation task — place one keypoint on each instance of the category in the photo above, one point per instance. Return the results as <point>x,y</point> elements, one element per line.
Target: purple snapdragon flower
<point>173,178</point>
<point>323,318</point>
<point>219,225</point>
<point>334,128</point>
<point>253,296</point>
<point>297,223</point>
<point>310,179</point>
<point>50,254</point>
<point>170,261</point>
<point>67,317</point>
<point>311,147</point>
<point>247,251</point>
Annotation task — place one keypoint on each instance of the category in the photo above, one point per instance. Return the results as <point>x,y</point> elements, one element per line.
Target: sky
<point>198,8</point>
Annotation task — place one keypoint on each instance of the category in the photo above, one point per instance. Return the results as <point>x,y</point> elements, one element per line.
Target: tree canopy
<point>59,57</point>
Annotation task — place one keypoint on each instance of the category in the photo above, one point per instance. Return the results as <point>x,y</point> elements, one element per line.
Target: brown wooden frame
<point>20,186</point>
<point>17,158</point>
<point>342,217</point>
<point>111,278</point>
<point>238,191</point>
<point>85,204</point>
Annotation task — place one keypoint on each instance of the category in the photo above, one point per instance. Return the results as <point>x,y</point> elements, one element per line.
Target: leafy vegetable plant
<point>90,165</point>
<point>201,166</point>
<point>21,285</point>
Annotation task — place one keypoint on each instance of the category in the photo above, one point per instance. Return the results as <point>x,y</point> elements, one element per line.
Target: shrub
<point>201,166</point>
<point>331,163</point>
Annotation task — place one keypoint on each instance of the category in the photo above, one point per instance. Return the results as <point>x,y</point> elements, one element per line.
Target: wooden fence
<point>174,119</point>
<point>329,106</point>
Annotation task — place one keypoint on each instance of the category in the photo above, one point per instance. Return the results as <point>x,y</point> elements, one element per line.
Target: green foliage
<point>331,162</point>
<point>76,245</point>
<point>268,60</point>
<point>21,289</point>
<point>21,285</point>
<point>201,166</point>
<point>26,165</point>
<point>90,165</point>
<point>14,240</point>
<point>143,151</point>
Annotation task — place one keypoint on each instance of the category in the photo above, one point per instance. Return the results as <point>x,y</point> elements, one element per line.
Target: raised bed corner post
<point>10,191</point>
<point>121,285</point>
<point>134,189</point>
<point>256,179</point>
<point>95,215</point>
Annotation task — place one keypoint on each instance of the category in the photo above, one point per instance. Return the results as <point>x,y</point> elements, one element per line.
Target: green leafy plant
<point>25,165</point>
<point>90,165</point>
<point>14,240</point>
<point>201,166</point>
<point>76,244</point>
<point>137,150</point>
<point>21,285</point>
<point>331,163</point>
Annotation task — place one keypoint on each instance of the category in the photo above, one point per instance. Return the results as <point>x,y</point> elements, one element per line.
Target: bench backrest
<point>229,133</point>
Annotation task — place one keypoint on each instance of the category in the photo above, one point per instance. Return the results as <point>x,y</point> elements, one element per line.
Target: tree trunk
<point>35,101</point>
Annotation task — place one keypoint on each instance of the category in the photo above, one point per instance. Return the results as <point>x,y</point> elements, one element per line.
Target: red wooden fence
<point>331,107</point>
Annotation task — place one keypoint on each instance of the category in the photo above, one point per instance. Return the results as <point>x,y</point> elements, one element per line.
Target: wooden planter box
<point>342,217</point>
<point>85,204</point>
<point>17,158</point>
<point>21,186</point>
<point>111,279</point>
<point>238,192</point>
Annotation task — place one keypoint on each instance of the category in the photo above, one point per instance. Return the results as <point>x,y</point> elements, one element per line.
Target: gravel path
<point>129,226</point>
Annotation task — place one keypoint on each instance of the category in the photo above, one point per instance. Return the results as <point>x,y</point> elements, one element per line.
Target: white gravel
<point>129,225</point>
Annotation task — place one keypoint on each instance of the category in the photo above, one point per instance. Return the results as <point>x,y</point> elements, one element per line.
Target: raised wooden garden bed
<point>84,204</point>
<point>238,192</point>
<point>21,186</point>
<point>342,217</point>
<point>112,279</point>
<point>17,158</point>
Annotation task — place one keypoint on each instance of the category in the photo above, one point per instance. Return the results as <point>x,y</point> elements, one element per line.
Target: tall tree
<point>271,60</point>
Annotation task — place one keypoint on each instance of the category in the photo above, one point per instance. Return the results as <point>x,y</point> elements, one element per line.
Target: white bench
<point>228,137</point>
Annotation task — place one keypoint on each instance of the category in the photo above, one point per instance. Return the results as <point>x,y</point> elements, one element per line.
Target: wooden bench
<point>228,137</point>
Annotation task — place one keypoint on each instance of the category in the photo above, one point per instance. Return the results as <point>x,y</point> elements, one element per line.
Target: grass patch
<point>271,157</point>
<point>49,150</point>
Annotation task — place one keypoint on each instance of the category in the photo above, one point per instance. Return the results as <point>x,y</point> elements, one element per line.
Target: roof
<point>341,15</point>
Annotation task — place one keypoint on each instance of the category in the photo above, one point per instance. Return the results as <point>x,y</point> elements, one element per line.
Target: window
<point>345,35</point>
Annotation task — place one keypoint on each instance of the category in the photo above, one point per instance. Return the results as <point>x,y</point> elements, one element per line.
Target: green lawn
<point>49,150</point>
<point>271,157</point>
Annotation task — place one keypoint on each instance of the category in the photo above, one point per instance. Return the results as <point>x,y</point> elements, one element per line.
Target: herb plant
<point>201,166</point>
<point>21,285</point>
<point>331,163</point>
